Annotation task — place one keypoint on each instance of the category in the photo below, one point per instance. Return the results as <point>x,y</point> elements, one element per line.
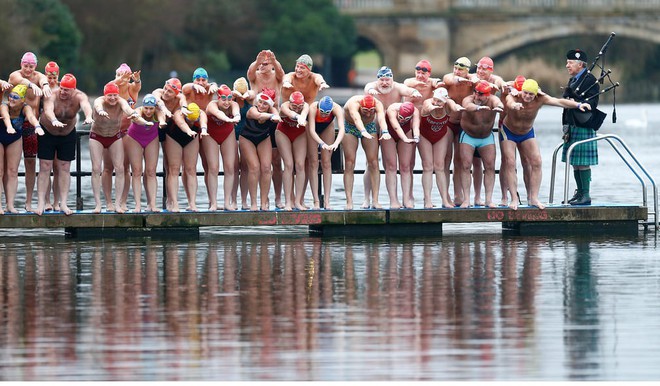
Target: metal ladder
<point>608,138</point>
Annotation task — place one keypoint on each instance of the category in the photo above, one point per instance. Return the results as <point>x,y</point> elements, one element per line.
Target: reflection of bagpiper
<point>578,125</point>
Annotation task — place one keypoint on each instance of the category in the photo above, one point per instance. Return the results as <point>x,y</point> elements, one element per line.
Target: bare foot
<point>213,208</point>
<point>490,204</point>
<point>409,205</point>
<point>12,210</point>
<point>28,208</point>
<point>278,204</point>
<point>513,205</point>
<point>479,203</point>
<point>137,209</point>
<point>97,209</point>
<point>152,209</point>
<point>465,204</point>
<point>301,207</point>
<point>108,208</point>
<point>266,207</point>
<point>2,211</point>
<point>254,208</point>
<point>286,207</point>
<point>447,204</point>
<point>56,208</point>
<point>317,205</point>
<point>66,210</point>
<point>537,204</point>
<point>120,210</point>
<point>504,201</point>
<point>376,205</point>
<point>395,205</point>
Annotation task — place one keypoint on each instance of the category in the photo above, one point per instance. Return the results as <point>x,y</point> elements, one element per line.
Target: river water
<point>276,304</point>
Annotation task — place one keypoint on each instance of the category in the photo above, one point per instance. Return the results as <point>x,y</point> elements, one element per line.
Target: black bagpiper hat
<point>576,54</point>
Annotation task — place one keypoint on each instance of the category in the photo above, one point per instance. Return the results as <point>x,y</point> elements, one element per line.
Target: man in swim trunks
<point>477,122</point>
<point>361,113</point>
<point>423,83</point>
<point>459,84</point>
<point>58,120</point>
<point>517,131</point>
<point>304,80</point>
<point>105,134</point>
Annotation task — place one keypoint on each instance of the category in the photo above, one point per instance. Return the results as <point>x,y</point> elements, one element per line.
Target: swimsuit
<point>506,134</point>
<point>220,130</point>
<point>477,142</point>
<point>63,145</point>
<point>241,124</point>
<point>183,139</point>
<point>290,128</point>
<point>105,141</point>
<point>455,128</point>
<point>143,134</point>
<point>433,129</point>
<point>406,128</point>
<point>350,128</point>
<point>30,140</point>
<point>256,132</point>
<point>321,122</point>
<point>17,123</point>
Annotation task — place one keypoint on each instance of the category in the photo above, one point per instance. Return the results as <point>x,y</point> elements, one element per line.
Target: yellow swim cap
<point>21,90</point>
<point>531,86</point>
<point>194,112</point>
<point>241,85</point>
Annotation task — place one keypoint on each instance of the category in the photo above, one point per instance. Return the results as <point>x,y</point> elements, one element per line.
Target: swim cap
<point>241,85</point>
<point>224,90</point>
<point>306,60</point>
<point>270,92</point>
<point>200,73</point>
<point>174,84</point>
<point>194,112</point>
<point>518,82</point>
<point>424,64</point>
<point>20,90</point>
<point>483,87</point>
<point>111,88</point>
<point>68,81</point>
<point>52,67</point>
<point>368,102</point>
<point>297,98</point>
<point>149,100</point>
<point>463,62</point>
<point>326,104</point>
<point>29,58</point>
<point>531,86</point>
<point>406,110</point>
<point>486,63</point>
<point>123,69</point>
<point>385,72</point>
<point>266,98</point>
<point>441,93</point>
<point>576,54</point>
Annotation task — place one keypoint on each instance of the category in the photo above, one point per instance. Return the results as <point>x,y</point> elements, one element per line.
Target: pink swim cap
<point>29,58</point>
<point>486,63</point>
<point>124,68</point>
<point>52,67</point>
<point>270,92</point>
<point>224,90</point>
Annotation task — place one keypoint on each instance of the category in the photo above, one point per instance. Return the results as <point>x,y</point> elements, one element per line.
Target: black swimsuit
<point>256,132</point>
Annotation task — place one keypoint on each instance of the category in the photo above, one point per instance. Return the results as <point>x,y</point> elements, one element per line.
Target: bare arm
<point>85,107</point>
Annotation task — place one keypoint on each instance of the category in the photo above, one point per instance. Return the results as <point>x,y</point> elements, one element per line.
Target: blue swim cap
<point>149,100</point>
<point>200,73</point>
<point>385,72</point>
<point>326,104</point>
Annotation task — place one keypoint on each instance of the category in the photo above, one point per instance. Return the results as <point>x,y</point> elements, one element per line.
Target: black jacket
<point>574,90</point>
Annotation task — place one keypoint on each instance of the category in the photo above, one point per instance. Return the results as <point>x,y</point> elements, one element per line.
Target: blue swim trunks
<point>506,134</point>
<point>476,142</point>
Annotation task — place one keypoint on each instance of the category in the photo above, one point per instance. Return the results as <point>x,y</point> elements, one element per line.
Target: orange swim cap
<point>224,90</point>
<point>111,88</point>
<point>68,81</point>
<point>174,84</point>
<point>518,82</point>
<point>368,102</point>
<point>52,67</point>
<point>483,87</point>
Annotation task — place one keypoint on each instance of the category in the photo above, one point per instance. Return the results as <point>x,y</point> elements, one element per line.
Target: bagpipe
<point>594,119</point>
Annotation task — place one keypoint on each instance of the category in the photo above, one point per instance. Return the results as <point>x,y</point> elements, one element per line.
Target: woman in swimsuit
<point>140,144</point>
<point>14,114</point>
<point>223,115</point>
<point>321,136</point>
<point>436,139</point>
<point>254,144</point>
<point>292,144</point>
<point>182,146</point>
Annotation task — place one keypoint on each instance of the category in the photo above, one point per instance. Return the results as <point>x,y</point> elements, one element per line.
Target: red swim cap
<point>486,63</point>
<point>174,84</point>
<point>111,88</point>
<point>270,92</point>
<point>518,82</point>
<point>483,87</point>
<point>224,90</point>
<point>52,67</point>
<point>68,81</point>
<point>368,102</point>
<point>424,64</point>
<point>406,110</point>
<point>297,98</point>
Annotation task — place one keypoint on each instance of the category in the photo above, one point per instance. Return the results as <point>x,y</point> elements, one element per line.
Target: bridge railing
<point>413,6</point>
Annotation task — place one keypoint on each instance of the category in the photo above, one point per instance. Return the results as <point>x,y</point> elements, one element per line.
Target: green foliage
<point>312,27</point>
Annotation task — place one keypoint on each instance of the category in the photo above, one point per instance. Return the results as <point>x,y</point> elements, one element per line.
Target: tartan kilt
<point>585,154</point>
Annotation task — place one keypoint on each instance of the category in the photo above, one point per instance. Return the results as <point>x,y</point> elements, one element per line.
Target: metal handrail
<point>608,138</point>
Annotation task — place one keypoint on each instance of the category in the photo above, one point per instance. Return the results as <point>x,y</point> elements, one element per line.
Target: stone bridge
<point>404,31</point>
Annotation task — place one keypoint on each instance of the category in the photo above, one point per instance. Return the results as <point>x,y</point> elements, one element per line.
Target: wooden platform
<point>357,223</point>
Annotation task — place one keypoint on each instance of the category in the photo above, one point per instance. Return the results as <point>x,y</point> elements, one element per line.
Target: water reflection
<point>272,308</point>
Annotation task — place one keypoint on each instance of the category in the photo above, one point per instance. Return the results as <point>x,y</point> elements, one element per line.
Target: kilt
<point>585,154</point>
